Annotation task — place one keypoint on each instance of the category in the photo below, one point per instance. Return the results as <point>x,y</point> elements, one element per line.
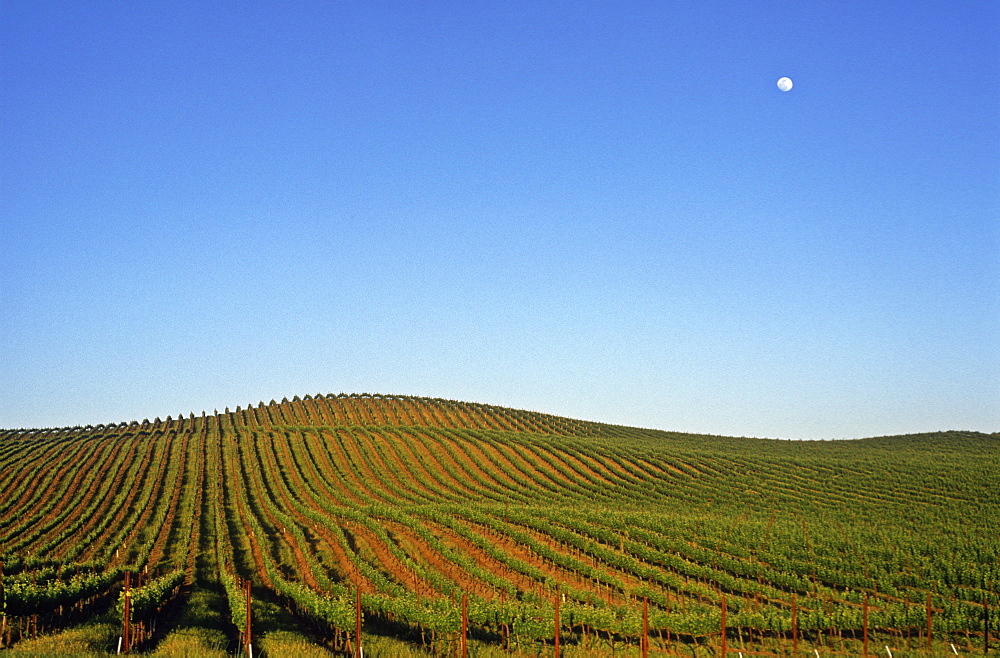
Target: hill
<point>414,510</point>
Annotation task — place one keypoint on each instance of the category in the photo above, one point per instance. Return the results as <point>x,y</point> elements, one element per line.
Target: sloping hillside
<point>417,504</point>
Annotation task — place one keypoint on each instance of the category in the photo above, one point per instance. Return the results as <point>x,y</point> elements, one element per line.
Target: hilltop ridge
<point>373,409</point>
<point>387,410</point>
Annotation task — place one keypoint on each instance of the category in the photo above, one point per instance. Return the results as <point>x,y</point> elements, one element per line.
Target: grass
<point>198,629</point>
<point>97,637</point>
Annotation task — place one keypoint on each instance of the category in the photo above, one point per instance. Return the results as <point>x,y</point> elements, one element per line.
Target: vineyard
<point>416,526</point>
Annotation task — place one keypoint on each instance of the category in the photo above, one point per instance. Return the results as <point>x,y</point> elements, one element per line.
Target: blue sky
<point>604,210</point>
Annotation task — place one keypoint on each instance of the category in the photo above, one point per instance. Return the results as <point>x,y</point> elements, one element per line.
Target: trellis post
<point>248,602</point>
<point>725,648</point>
<point>645,627</point>
<point>357,622</point>
<point>126,618</point>
<point>928,622</point>
<point>556,652</point>
<point>465,623</point>
<point>795,624</point>
<point>864,622</point>
<point>986,625</point>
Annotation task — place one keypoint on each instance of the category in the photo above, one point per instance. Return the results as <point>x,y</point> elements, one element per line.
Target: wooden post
<point>986,626</point>
<point>864,617</point>
<point>556,652</point>
<point>504,634</point>
<point>4,630</point>
<point>357,622</point>
<point>126,631</point>
<point>645,627</point>
<point>242,586</point>
<point>249,617</point>
<point>795,624</point>
<point>928,623</point>
<point>465,623</point>
<point>725,649</point>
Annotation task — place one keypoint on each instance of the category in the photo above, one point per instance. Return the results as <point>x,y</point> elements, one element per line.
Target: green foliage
<point>22,597</point>
<point>151,597</point>
<point>418,502</point>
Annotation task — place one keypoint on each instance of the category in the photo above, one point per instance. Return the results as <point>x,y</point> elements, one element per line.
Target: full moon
<point>784,84</point>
